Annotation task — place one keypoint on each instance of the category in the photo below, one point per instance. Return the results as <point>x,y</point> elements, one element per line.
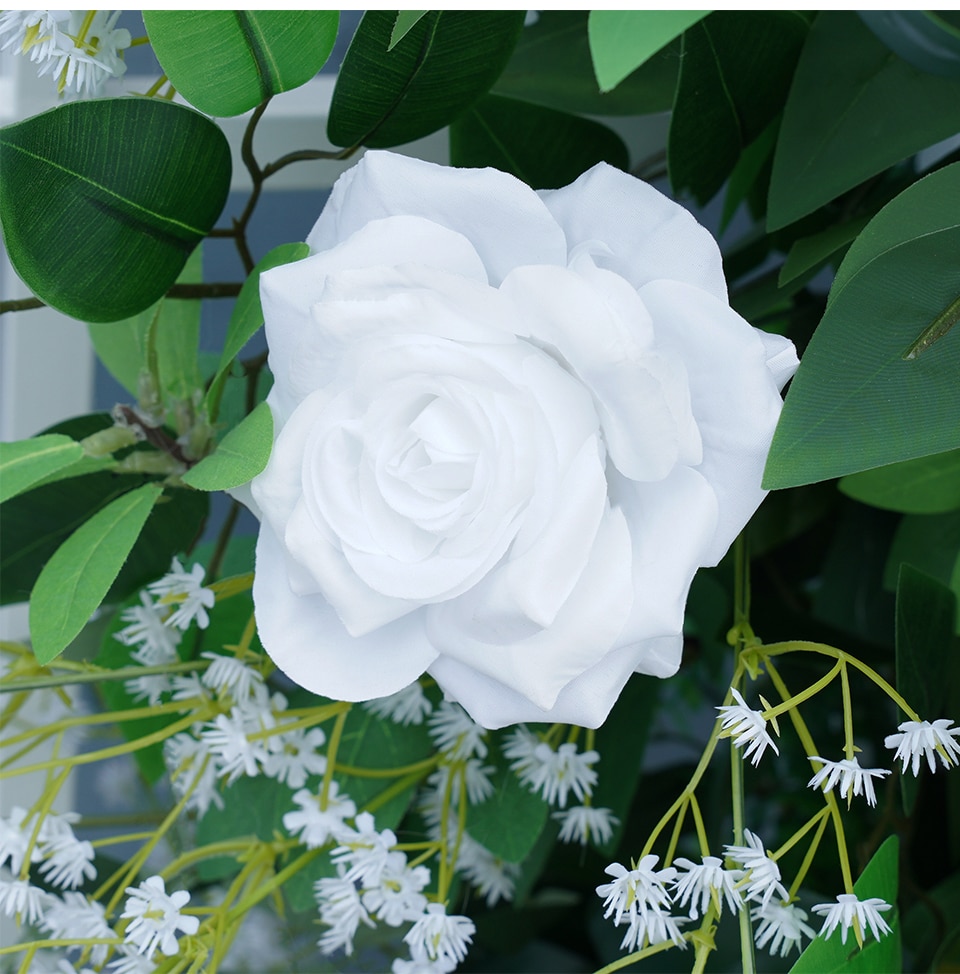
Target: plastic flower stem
<point>27,961</point>
<point>81,38</point>
<point>702,939</point>
<point>675,835</point>
<point>36,945</point>
<point>629,959</point>
<point>154,89</point>
<point>427,764</point>
<point>255,870</point>
<point>40,811</point>
<point>333,745</point>
<point>311,721</point>
<point>824,813</point>
<point>808,858</point>
<point>215,849</point>
<point>800,646</point>
<point>397,788</point>
<point>226,588</point>
<point>123,837</point>
<point>800,727</point>
<point>103,675</point>
<point>138,41</point>
<point>446,863</point>
<point>698,822</point>
<point>848,749</point>
<point>747,955</point>
<point>263,890</point>
<point>13,707</point>
<point>806,694</point>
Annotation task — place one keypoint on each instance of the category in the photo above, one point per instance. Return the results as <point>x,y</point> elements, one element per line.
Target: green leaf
<point>78,576</point>
<point>753,164</point>
<point>921,37</point>
<point>247,316</point>
<point>551,66</point>
<point>814,251</point>
<point>440,68</point>
<point>512,802</point>
<point>239,457</point>
<point>405,22</point>
<point>926,614</point>
<point>99,214</point>
<point>858,399</point>
<point>927,485</point>
<point>879,879</point>
<point>24,463</point>
<point>622,40</point>
<point>735,72</point>
<point>854,110</point>
<point>509,135</point>
<point>226,62</point>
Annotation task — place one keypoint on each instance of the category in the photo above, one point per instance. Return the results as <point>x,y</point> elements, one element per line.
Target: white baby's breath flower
<point>456,734</point>
<point>150,688</point>
<point>364,850</point>
<point>439,937</point>
<point>15,833</point>
<point>585,823</point>
<point>68,861</point>
<point>228,675</point>
<point>75,917</point>
<point>20,898</point>
<point>226,739</point>
<point>762,878</point>
<point>747,727</point>
<point>782,925</point>
<point>407,706</point>
<point>636,890</point>
<point>554,774</point>
<point>155,917</point>
<point>341,910</point>
<point>475,775</point>
<point>186,591</point>
<point>852,778</point>
<point>397,897</point>
<point>295,755</point>
<point>921,739</point>
<point>127,960</point>
<point>849,912</point>
<point>192,767</point>
<point>493,878</point>
<point>155,643</point>
<point>315,826</point>
<point>706,882</point>
<point>654,926</point>
<point>33,32</point>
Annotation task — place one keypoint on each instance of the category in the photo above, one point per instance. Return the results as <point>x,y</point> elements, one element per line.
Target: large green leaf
<point>75,580</point>
<point>622,40</point>
<point>102,201</point>
<point>226,62</point>
<point>551,66</point>
<point>854,109</point>
<point>510,135</point>
<point>814,251</point>
<point>863,397</point>
<point>879,879</point>
<point>444,63</point>
<point>241,455</point>
<point>735,72</point>
<point>922,38</point>
<point>927,485</point>
<point>24,463</point>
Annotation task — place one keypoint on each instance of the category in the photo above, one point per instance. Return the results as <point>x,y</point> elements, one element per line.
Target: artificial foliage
<point>390,771</point>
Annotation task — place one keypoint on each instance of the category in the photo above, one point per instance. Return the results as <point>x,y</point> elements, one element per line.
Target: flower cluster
<point>80,48</point>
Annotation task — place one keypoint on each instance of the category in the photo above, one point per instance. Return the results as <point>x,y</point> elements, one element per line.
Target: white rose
<point>510,426</point>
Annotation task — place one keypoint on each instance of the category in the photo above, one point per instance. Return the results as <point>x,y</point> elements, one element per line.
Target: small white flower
<point>156,643</point>
<point>33,32</point>
<point>848,910</point>
<point>68,861</point>
<point>439,937</point>
<point>852,778</point>
<point>364,850</point>
<point>228,675</point>
<point>18,897</point>
<point>781,925</point>
<point>455,734</point>
<point>494,878</point>
<point>128,961</point>
<point>421,966</point>
<point>75,917</point>
<point>315,826</point>
<point>554,774</point>
<point>295,755</point>
<point>192,768</point>
<point>763,873</point>
<point>636,890</point>
<point>746,727</point>
<point>150,688</point>
<point>583,823</point>
<point>188,686</point>
<point>14,839</point>
<point>650,927</point>
<point>706,881</point>
<point>187,591</point>
<point>397,897</point>
<point>407,706</point>
<point>155,917</point>
<point>923,739</point>
<point>476,777</point>
<point>341,910</point>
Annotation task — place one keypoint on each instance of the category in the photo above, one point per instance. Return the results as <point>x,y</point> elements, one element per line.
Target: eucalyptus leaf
<point>860,398</point>
<point>854,109</point>
<point>927,485</point>
<point>103,201</point>
<point>26,462</point>
<point>239,457</point>
<point>812,252</point>
<point>622,40</point>
<point>226,62</point>
<point>405,22</point>
<point>545,148</point>
<point>444,63</point>
<point>921,37</point>
<point>75,580</point>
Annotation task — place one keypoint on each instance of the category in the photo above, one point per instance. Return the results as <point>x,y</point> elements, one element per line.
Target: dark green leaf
<point>241,455</point>
<point>754,161</point>
<point>439,69</point>
<point>226,62</point>
<point>26,462</point>
<point>551,66</point>
<point>859,400</point>
<point>926,614</point>
<point>547,149</point>
<point>75,580</point>
<point>102,201</point>
<point>831,956</point>
<point>921,37</point>
<point>854,109</point>
<point>734,76</point>
<point>622,40</point>
<point>814,251</point>
<point>927,485</point>
<point>405,22</point>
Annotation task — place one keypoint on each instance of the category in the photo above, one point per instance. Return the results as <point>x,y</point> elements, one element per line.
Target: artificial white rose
<point>510,426</point>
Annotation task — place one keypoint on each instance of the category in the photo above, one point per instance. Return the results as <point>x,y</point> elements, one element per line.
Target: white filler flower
<point>746,727</point>
<point>762,877</point>
<point>782,926</point>
<point>510,426</point>
<point>853,779</point>
<point>849,910</point>
<point>155,917</point>
<point>921,739</point>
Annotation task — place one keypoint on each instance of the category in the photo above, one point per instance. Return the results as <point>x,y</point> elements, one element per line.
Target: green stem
<point>104,675</point>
